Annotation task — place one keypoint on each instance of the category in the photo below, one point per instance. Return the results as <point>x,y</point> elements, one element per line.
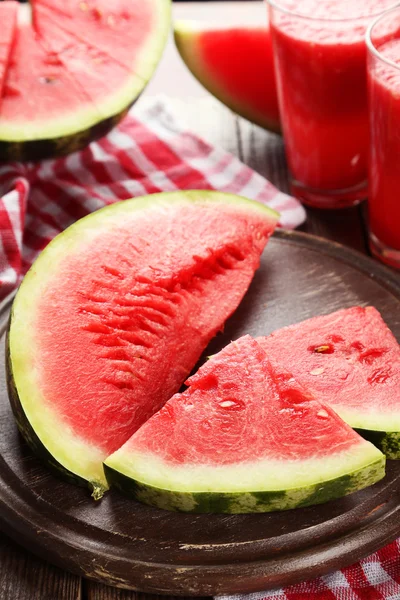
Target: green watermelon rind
<point>62,136</point>
<point>41,432</point>
<point>40,149</point>
<point>186,33</point>
<point>246,501</point>
<point>28,433</point>
<point>387,441</point>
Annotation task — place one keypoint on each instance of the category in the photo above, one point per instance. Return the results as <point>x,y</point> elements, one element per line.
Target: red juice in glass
<point>383,40</point>
<point>320,58</point>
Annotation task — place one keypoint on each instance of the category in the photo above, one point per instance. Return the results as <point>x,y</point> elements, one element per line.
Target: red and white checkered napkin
<point>149,152</point>
<point>376,577</point>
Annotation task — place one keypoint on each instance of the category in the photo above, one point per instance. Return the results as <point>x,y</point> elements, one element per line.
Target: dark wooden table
<point>23,576</point>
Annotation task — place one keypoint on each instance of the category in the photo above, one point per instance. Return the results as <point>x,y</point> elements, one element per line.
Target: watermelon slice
<point>236,65</point>
<point>61,93</point>
<point>8,20</point>
<point>245,437</point>
<point>115,313</point>
<point>350,360</point>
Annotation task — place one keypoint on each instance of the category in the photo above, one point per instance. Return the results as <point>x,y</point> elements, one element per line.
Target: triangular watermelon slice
<point>245,437</point>
<point>115,313</point>
<point>350,360</point>
<point>236,65</point>
<point>8,21</point>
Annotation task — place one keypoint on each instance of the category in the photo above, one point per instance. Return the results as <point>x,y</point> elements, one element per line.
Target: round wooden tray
<point>123,543</point>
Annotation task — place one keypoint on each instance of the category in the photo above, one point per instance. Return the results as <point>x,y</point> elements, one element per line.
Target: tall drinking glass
<point>320,58</point>
<point>383,42</point>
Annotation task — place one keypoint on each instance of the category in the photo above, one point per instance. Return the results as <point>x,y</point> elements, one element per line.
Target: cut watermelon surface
<point>351,361</point>
<point>244,437</point>
<point>63,89</point>
<point>115,313</point>
<point>8,24</point>
<point>66,106</point>
<point>235,65</point>
<point>114,28</point>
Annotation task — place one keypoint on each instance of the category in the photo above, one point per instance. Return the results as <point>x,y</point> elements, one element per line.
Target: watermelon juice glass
<point>320,59</point>
<point>383,41</point>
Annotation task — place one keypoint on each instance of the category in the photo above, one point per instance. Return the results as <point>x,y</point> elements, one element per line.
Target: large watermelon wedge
<point>236,65</point>
<point>61,92</point>
<point>8,23</point>
<point>350,360</point>
<point>245,437</point>
<point>115,313</point>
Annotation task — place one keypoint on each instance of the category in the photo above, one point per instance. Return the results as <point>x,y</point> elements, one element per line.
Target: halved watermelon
<point>245,437</point>
<point>61,93</point>
<point>236,65</point>
<point>350,360</point>
<point>115,313</point>
<point>8,21</point>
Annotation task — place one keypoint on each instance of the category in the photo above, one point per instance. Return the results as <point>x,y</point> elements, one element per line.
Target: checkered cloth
<point>376,577</point>
<point>149,152</point>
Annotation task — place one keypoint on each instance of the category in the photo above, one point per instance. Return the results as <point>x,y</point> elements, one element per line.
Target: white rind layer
<point>262,475</point>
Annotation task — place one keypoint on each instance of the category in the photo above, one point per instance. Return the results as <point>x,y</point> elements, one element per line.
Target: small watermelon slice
<point>351,361</point>
<point>245,437</point>
<point>115,313</point>
<point>8,20</point>
<point>235,65</point>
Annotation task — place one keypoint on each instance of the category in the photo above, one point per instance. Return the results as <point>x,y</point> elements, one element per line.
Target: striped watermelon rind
<point>387,441</point>
<point>39,423</point>
<point>60,145</point>
<point>306,483</point>
<point>96,486</point>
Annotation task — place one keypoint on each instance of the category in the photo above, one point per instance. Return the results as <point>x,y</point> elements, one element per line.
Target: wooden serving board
<point>120,542</point>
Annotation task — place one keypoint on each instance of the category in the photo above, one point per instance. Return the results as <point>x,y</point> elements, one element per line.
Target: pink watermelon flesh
<point>37,84</point>
<point>132,314</point>
<point>237,66</point>
<point>239,408</point>
<point>118,28</point>
<point>94,71</point>
<point>349,359</point>
<point>8,23</point>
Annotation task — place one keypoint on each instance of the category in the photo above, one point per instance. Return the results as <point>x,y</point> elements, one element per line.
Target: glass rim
<point>370,44</point>
<point>376,16</point>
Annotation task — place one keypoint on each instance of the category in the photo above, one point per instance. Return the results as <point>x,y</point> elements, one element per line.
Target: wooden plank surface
<point>25,577</point>
<point>22,576</point>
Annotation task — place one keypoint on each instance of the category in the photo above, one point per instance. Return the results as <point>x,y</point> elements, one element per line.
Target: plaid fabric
<point>149,152</point>
<point>376,577</point>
